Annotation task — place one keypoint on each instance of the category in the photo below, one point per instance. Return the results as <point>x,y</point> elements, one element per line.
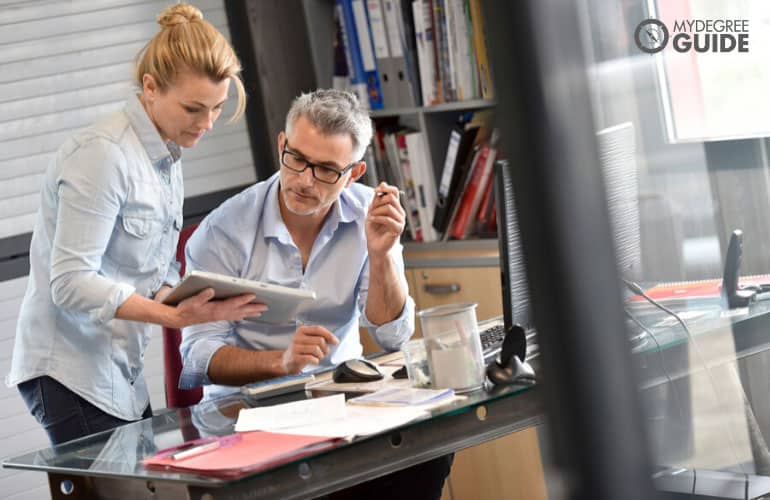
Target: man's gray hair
<point>334,112</point>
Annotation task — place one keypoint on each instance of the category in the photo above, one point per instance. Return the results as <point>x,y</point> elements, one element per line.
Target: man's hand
<point>308,347</point>
<point>384,220</point>
<point>201,309</point>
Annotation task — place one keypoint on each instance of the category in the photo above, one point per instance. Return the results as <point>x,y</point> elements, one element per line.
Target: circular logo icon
<point>651,36</point>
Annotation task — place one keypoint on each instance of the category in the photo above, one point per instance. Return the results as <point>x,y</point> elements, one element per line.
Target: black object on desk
<point>733,296</point>
<point>357,370</point>
<point>511,366</point>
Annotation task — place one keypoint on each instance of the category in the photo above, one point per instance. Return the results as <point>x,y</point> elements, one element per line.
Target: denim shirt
<point>108,225</point>
<point>246,237</point>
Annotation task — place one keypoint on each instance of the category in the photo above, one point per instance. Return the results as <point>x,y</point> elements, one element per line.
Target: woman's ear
<point>149,86</point>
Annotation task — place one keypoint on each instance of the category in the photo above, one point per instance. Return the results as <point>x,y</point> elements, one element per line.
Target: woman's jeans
<point>63,414</point>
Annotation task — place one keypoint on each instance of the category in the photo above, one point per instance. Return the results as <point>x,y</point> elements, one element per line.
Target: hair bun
<point>179,13</point>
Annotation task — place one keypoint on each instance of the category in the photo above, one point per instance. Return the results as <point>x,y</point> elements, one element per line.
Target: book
<point>424,184</point>
<point>480,50</point>
<point>425,51</point>
<point>405,396</point>
<point>278,386</point>
<point>469,204</point>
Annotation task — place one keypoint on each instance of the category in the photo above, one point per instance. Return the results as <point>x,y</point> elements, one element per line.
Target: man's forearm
<point>232,365</point>
<point>386,296</point>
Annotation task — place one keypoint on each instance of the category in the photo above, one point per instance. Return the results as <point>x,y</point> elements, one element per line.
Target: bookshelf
<point>435,122</point>
<point>293,42</point>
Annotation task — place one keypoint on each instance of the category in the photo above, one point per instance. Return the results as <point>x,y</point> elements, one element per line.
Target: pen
<point>206,447</point>
<point>380,194</point>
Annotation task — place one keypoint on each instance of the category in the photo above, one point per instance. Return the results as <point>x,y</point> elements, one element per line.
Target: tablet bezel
<point>283,302</point>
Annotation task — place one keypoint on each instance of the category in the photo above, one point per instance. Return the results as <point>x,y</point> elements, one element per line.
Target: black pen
<point>380,194</point>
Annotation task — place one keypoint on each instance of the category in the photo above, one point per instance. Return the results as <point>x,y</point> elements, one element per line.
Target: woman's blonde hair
<point>186,40</point>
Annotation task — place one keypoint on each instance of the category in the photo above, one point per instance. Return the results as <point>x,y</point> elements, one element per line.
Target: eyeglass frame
<point>312,166</point>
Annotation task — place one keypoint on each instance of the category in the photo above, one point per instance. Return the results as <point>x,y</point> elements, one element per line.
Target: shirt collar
<point>161,154</point>
<point>346,209</point>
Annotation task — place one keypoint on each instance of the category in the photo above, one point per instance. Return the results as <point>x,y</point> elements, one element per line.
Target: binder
<point>455,164</point>
<point>403,76</point>
<point>386,53</point>
<point>366,48</point>
<point>344,13</point>
<point>341,77</point>
<point>409,42</point>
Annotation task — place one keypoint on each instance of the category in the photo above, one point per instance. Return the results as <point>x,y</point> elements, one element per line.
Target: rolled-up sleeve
<point>391,335</point>
<point>90,191</point>
<point>207,249</point>
<point>199,343</point>
<point>172,276</point>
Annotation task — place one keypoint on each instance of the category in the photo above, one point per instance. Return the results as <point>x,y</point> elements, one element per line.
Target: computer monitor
<point>512,270</point>
<point>617,154</point>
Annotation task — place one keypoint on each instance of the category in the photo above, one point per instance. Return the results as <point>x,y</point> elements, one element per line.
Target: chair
<point>172,337</point>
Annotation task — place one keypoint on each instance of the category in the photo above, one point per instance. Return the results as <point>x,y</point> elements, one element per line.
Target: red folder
<point>251,452</point>
<point>697,289</point>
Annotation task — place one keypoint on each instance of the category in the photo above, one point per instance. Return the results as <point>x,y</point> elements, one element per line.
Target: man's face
<point>187,109</point>
<point>301,193</point>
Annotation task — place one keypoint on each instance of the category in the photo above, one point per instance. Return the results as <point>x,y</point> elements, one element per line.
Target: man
<point>311,226</point>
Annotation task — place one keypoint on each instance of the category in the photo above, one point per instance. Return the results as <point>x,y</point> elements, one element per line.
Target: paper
<point>361,421</point>
<point>332,418</point>
<point>410,396</point>
<point>294,414</point>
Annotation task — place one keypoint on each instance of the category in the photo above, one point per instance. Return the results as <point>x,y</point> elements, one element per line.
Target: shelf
<point>438,108</point>
<point>456,253</point>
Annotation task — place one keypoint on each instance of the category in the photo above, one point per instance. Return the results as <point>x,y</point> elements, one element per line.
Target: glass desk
<point>706,397</point>
<point>108,465</point>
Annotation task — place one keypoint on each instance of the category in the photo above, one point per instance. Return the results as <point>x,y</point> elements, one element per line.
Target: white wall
<point>62,65</point>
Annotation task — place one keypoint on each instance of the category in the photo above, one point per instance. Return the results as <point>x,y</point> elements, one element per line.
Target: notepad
<point>406,396</point>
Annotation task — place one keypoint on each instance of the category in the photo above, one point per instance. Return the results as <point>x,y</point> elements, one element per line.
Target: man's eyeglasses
<point>296,163</point>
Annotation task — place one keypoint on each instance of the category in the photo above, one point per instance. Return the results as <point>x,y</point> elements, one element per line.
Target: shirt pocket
<point>135,241</point>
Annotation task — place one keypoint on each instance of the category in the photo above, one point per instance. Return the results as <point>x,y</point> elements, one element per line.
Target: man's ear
<point>281,140</point>
<point>356,173</point>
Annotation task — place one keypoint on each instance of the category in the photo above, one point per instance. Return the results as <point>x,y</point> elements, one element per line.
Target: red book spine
<point>466,201</point>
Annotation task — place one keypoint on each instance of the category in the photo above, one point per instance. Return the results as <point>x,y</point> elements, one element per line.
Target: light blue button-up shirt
<point>108,225</point>
<point>246,237</point>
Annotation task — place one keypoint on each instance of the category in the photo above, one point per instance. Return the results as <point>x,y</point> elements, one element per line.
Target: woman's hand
<point>201,308</point>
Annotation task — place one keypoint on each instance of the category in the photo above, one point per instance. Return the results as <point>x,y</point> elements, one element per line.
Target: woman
<point>105,238</point>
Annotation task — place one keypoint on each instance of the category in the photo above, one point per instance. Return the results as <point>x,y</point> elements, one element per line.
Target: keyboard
<point>492,337</point>
<point>492,342</point>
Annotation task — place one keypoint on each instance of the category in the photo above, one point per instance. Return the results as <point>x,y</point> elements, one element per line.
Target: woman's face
<point>187,109</point>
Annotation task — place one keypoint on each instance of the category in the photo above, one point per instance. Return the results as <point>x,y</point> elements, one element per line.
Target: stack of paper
<point>329,417</point>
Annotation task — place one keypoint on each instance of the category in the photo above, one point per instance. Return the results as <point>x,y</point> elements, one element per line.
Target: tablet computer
<point>282,302</point>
